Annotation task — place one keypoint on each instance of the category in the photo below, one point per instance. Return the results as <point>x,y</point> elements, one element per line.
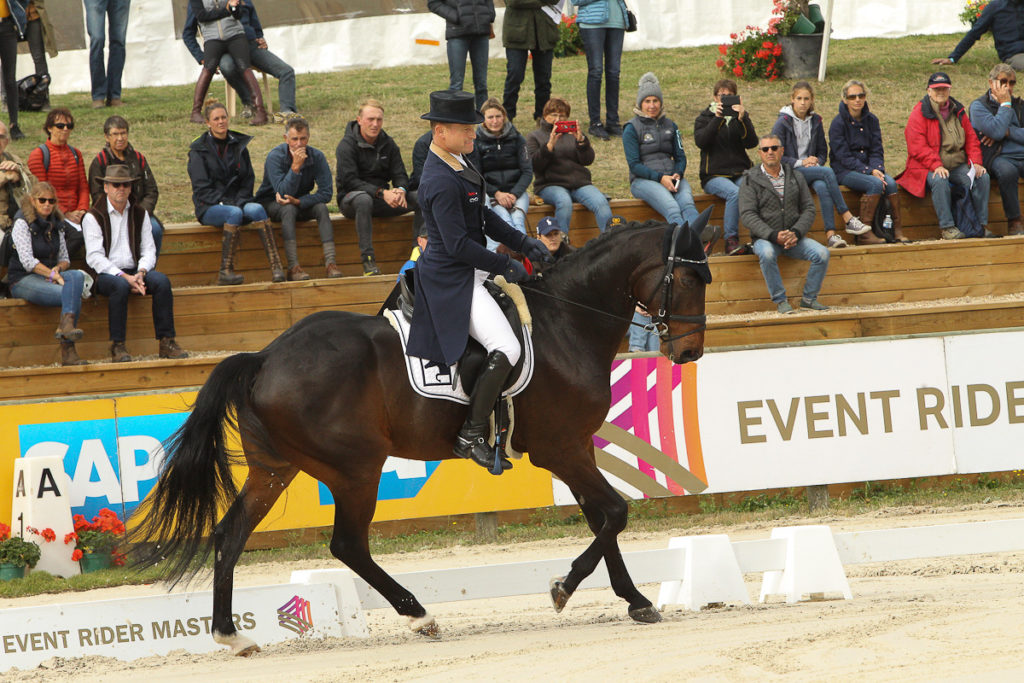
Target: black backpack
<point>33,92</point>
<point>878,220</point>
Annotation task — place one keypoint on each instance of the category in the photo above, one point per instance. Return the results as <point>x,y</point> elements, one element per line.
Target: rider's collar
<point>447,157</point>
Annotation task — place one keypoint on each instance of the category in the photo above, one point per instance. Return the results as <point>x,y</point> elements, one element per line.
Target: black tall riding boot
<point>472,439</point>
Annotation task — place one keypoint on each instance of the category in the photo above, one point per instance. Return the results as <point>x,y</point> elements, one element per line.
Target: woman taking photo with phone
<point>560,154</point>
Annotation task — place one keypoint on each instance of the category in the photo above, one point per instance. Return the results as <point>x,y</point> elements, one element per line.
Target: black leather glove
<point>516,271</point>
<point>535,250</point>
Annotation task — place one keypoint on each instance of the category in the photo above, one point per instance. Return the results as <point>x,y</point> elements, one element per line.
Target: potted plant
<point>15,554</point>
<point>800,33</point>
<point>96,541</point>
<point>972,10</point>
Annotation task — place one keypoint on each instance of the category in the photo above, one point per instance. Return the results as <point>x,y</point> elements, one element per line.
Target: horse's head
<point>672,290</point>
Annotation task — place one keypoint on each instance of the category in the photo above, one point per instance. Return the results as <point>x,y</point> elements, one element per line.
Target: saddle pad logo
<point>295,616</point>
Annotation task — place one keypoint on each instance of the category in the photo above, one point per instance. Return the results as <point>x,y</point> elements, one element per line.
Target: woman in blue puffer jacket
<point>505,166</point>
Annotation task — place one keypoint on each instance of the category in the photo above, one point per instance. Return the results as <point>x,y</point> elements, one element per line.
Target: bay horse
<point>330,397</point>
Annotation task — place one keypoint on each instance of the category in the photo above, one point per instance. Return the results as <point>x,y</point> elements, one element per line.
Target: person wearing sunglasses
<point>857,158</point>
<point>63,166</point>
<point>943,151</point>
<point>39,268</point>
<point>998,119</point>
<point>120,249</point>
<point>777,207</point>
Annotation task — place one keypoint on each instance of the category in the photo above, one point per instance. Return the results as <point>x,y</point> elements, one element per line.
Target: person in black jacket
<point>724,138</point>
<point>222,191</point>
<point>468,32</point>
<point>505,165</point>
<point>371,177</point>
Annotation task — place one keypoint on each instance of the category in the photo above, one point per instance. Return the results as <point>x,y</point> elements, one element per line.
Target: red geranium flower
<point>738,70</point>
<point>76,555</point>
<point>723,49</point>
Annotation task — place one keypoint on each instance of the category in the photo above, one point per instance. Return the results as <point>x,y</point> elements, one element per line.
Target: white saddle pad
<point>434,381</point>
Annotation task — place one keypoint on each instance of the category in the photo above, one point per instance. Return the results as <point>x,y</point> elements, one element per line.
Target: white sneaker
<point>836,242</point>
<point>854,226</point>
<point>952,233</point>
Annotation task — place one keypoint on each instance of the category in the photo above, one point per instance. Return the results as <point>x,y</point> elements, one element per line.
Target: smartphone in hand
<point>566,127</point>
<point>727,104</point>
<point>675,184</point>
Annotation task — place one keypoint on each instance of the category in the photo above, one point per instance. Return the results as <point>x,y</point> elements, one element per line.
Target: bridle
<point>659,322</point>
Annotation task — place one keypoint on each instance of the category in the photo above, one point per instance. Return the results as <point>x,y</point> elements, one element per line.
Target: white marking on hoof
<point>240,645</point>
<point>425,626</point>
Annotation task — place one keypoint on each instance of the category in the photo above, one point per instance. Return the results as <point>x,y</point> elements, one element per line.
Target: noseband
<point>659,322</point>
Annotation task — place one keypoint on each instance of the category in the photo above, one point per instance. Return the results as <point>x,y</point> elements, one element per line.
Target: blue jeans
<point>942,199</point>
<point>1007,172</point>
<point>823,181</point>
<point>805,249</point>
<point>677,208</point>
<point>38,290</point>
<point>269,63</point>
<point>106,83</point>
<point>588,195</point>
<point>158,232</point>
<point>865,183</point>
<point>476,47</point>
<point>729,190</point>
<point>516,218</point>
<point>158,287</point>
<point>603,47</point>
<point>516,72</point>
<point>222,214</point>
<point>639,338</point>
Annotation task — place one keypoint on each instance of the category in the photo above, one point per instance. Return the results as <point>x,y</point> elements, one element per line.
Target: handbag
<point>630,21</point>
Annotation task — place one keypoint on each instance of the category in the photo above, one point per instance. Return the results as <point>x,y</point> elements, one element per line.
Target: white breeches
<point>488,325</point>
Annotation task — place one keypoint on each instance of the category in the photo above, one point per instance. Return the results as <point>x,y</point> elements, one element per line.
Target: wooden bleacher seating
<point>220,320</point>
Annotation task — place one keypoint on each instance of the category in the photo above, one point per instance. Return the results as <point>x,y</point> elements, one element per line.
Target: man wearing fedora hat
<point>119,247</point>
<point>451,301</point>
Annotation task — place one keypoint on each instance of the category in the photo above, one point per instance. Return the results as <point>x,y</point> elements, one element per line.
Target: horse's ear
<point>702,221</point>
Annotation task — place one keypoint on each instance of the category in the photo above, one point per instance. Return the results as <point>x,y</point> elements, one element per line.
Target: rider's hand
<point>535,250</point>
<point>515,272</point>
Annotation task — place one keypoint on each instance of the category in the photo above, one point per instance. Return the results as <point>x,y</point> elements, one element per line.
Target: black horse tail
<point>177,519</point>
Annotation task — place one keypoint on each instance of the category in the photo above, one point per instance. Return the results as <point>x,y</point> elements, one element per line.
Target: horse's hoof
<point>559,596</point>
<point>646,615</point>
<point>425,626</point>
<point>239,644</point>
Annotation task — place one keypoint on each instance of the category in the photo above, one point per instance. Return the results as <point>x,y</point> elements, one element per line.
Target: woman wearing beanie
<point>654,152</point>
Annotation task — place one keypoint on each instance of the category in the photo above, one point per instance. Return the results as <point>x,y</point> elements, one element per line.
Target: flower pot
<point>802,26</point>
<point>800,55</point>
<point>11,571</point>
<point>816,17</point>
<point>92,562</point>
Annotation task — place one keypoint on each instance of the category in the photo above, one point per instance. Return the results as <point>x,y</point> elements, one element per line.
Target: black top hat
<point>453,106</point>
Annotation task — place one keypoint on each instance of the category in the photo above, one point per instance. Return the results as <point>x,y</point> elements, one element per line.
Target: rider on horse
<point>451,302</point>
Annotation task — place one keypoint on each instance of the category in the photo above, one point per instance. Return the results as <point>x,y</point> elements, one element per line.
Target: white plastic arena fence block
<point>812,565</point>
<point>350,609</point>
<point>710,574</point>
<point>42,500</point>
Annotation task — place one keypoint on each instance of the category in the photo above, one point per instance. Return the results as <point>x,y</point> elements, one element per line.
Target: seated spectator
<point>550,232</point>
<point>654,153</point>
<point>119,151</point>
<point>223,33</point>
<point>505,166</point>
<point>63,166</point>
<point>266,61</point>
<point>289,175</point>
<point>15,181</point>
<point>222,181</point>
<point>1005,19</point>
<point>39,269</point>
<point>371,178</point>
<point>803,137</point>
<point>724,136</point>
<point>780,227</point>
<point>560,163</point>
<point>420,150</point>
<point>943,149</point>
<point>641,337</point>
<point>120,249</point>
<point>227,68</point>
<point>858,160</point>
<point>998,119</point>
<point>417,251</point>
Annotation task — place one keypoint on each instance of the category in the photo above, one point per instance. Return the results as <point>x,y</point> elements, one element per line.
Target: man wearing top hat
<point>119,247</point>
<point>451,301</point>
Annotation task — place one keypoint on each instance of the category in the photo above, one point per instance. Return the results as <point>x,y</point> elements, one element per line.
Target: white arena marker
<point>42,499</point>
<point>140,627</point>
<point>710,574</point>
<point>812,565</point>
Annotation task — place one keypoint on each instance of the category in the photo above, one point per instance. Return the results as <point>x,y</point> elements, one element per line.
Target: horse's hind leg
<point>263,486</point>
<point>353,511</point>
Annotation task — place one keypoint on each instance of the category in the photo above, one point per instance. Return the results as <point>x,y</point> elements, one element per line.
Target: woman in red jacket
<point>58,163</point>
<point>942,148</point>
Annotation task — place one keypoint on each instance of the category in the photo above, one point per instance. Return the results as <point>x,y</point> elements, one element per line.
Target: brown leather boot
<point>333,270</point>
<point>868,238</point>
<point>118,353</point>
<point>228,248</point>
<point>868,204</point>
<point>202,86</point>
<point>897,219</point>
<point>259,114</point>
<point>67,331</point>
<point>1015,227</point>
<point>297,274</point>
<point>68,354</point>
<point>269,246</point>
<point>170,349</point>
